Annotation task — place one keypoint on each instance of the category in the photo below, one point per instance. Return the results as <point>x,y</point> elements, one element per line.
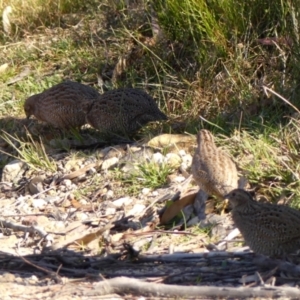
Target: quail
<point>123,111</point>
<point>63,105</point>
<point>268,229</point>
<point>212,169</point>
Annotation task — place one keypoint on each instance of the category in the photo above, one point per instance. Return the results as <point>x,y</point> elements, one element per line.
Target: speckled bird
<point>123,111</point>
<point>212,169</point>
<point>268,229</point>
<point>63,105</point>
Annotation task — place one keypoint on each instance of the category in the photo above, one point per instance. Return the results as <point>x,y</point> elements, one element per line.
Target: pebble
<point>186,161</point>
<point>81,216</point>
<point>13,171</point>
<point>67,182</point>
<point>52,199</point>
<point>110,211</point>
<point>173,160</point>
<point>179,179</point>
<point>182,153</point>
<point>109,163</point>
<point>155,193</point>
<point>39,203</point>
<point>146,191</point>
<point>122,201</point>
<point>109,194</point>
<point>158,158</point>
<point>137,209</point>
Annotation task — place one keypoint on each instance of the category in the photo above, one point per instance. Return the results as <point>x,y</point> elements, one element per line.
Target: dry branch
<point>30,229</point>
<point>124,285</point>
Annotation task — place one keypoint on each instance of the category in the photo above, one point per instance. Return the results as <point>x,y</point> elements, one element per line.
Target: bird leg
<point>199,204</point>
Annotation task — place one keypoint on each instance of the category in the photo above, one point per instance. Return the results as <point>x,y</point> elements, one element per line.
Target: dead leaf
<point>173,141</point>
<point>86,239</point>
<point>176,207</point>
<point>78,172</point>
<point>76,204</point>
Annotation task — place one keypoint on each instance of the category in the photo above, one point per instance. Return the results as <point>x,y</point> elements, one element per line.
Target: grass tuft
<point>30,152</point>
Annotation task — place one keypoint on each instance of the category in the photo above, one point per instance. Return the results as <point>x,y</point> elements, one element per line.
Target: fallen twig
<point>27,229</point>
<point>124,285</point>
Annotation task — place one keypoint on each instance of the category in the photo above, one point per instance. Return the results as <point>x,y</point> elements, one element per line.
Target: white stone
<point>173,159</point>
<point>158,158</point>
<point>81,216</point>
<point>67,182</point>
<point>62,188</point>
<point>109,194</point>
<point>13,171</point>
<point>187,159</point>
<point>122,201</point>
<point>108,163</point>
<point>52,199</point>
<point>182,153</point>
<point>137,209</point>
<point>146,191</point>
<point>178,179</point>
<point>39,203</point>
<point>110,211</point>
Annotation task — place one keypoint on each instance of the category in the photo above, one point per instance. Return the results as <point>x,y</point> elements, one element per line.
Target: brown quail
<point>212,169</point>
<point>123,111</point>
<point>268,229</point>
<point>62,105</point>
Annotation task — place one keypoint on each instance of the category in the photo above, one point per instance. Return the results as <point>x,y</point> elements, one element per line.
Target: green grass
<point>31,152</point>
<point>146,175</point>
<point>210,63</point>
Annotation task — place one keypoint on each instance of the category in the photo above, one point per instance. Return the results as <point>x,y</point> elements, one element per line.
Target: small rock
<point>39,203</point>
<point>137,209</point>
<point>110,211</point>
<point>52,199</point>
<point>21,200</point>
<point>155,193</point>
<point>67,182</point>
<point>13,171</point>
<point>122,201</point>
<point>109,194</point>
<point>146,191</point>
<point>60,225</point>
<point>158,158</point>
<point>173,178</point>
<point>62,188</point>
<point>109,163</point>
<point>130,162</point>
<point>81,216</point>
<point>173,160</point>
<point>182,153</point>
<point>8,277</point>
<point>186,161</point>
